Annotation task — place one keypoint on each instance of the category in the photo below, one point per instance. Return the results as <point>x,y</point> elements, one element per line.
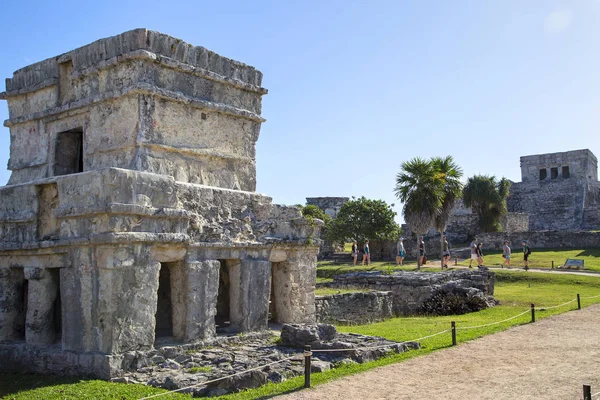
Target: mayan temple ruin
<point>131,214</point>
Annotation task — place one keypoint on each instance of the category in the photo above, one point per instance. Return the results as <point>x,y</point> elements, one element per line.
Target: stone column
<point>43,291</point>
<point>12,309</point>
<point>250,285</point>
<point>194,287</point>
<point>294,283</point>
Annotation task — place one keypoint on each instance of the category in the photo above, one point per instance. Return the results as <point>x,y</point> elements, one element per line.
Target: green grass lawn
<point>515,290</point>
<point>542,258</point>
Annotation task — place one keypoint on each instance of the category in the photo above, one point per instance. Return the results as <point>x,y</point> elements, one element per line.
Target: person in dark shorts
<point>479,252</point>
<point>445,253</point>
<point>354,251</point>
<point>367,254</point>
<point>526,253</point>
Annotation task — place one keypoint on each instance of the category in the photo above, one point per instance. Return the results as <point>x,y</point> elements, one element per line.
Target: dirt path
<point>550,359</point>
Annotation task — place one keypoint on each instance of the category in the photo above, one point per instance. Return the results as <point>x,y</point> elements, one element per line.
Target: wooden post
<point>453,325</point>
<point>532,312</point>
<point>578,302</point>
<point>587,392</point>
<point>455,261</point>
<point>307,359</point>
<point>552,264</point>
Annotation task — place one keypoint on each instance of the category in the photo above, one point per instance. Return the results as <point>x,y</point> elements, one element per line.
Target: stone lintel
<point>29,260</point>
<point>135,89</point>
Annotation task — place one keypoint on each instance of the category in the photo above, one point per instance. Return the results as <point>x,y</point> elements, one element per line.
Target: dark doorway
<point>164,308</point>
<point>553,173</point>
<point>222,319</point>
<point>543,174</point>
<point>57,307</point>
<point>25,300</point>
<point>565,172</point>
<point>272,305</point>
<point>68,155</point>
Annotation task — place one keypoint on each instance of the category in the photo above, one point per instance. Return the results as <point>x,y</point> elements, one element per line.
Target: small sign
<point>573,263</point>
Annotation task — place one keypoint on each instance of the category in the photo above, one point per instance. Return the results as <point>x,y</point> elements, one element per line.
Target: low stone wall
<point>542,239</point>
<point>358,308</point>
<point>410,290</point>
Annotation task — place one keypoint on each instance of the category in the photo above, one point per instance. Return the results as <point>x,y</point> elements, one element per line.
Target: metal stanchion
<point>453,324</point>
<point>307,359</point>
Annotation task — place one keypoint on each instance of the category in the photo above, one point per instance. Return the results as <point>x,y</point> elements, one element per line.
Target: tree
<point>419,185</point>
<point>364,219</point>
<point>487,197</point>
<point>450,173</point>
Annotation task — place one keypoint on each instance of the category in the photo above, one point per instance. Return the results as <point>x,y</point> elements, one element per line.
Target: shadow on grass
<point>589,253</point>
<point>12,382</point>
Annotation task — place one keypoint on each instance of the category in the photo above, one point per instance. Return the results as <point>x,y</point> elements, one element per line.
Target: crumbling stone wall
<point>542,240</point>
<point>412,289</point>
<point>354,308</point>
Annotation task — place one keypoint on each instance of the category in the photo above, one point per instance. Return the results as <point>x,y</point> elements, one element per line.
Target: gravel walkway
<point>550,359</point>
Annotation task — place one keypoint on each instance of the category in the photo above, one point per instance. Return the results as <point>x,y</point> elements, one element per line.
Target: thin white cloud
<point>558,21</point>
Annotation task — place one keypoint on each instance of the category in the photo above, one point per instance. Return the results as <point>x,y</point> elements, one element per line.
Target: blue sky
<point>357,87</point>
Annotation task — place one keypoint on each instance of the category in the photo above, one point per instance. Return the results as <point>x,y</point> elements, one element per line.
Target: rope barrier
<point>560,305</point>
<point>220,379</point>
<point>378,347</point>
<point>310,353</point>
<point>591,297</point>
<point>492,323</point>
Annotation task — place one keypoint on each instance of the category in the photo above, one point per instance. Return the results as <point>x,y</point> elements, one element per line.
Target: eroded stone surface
<point>131,210</point>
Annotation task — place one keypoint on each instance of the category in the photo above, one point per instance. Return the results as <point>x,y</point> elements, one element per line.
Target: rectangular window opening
<point>68,155</point>
<point>565,172</point>
<point>554,173</point>
<point>543,174</point>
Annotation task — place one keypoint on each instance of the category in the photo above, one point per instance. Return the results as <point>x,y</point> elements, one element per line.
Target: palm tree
<point>487,197</point>
<point>450,173</point>
<point>419,187</point>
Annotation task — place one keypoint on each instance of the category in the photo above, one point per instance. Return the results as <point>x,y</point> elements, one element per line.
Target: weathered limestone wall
<point>131,216</point>
<point>354,308</point>
<point>412,289</point>
<point>542,240</point>
<point>143,106</point>
<point>582,164</point>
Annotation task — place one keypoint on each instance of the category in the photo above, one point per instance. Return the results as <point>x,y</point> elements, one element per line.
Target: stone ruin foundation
<point>130,219</point>
<point>412,293</point>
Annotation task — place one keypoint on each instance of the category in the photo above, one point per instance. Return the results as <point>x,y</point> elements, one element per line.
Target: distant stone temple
<point>557,192</point>
<point>330,205</point>
<point>131,214</point>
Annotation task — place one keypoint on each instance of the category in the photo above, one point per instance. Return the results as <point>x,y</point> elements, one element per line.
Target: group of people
<point>401,252</point>
<point>476,253</point>
<point>366,253</point>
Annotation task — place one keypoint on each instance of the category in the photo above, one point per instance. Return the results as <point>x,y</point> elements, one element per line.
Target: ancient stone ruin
<point>131,217</point>
<point>415,293</point>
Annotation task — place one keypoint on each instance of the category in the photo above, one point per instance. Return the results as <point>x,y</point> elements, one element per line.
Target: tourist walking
<point>473,247</point>
<point>445,253</point>
<point>367,254</point>
<point>355,251</point>
<point>526,253</point>
<point>421,250</point>
<point>400,253</point>
<point>479,253</point>
<point>506,254</point>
